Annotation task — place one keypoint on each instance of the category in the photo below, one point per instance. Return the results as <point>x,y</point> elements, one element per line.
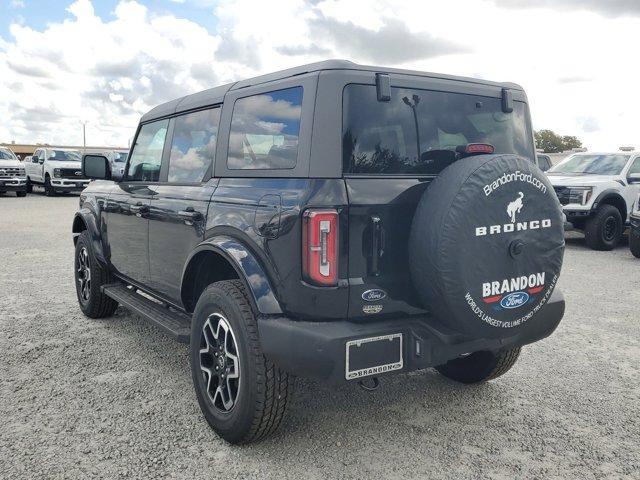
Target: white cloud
<point>577,66</point>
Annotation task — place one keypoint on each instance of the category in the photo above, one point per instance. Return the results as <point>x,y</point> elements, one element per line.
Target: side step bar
<point>174,323</point>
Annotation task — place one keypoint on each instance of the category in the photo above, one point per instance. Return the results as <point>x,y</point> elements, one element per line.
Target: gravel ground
<point>113,398</point>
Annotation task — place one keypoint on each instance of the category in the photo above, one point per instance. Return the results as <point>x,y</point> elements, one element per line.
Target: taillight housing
<point>320,247</point>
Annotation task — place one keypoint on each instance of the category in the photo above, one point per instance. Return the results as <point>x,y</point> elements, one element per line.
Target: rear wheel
<point>49,191</point>
<point>480,366</point>
<point>634,243</point>
<point>90,276</point>
<point>242,395</point>
<point>604,230</point>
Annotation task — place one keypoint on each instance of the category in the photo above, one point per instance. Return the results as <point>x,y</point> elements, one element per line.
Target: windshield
<point>592,164</point>
<point>65,155</point>
<point>6,155</point>
<point>417,131</point>
<point>121,157</point>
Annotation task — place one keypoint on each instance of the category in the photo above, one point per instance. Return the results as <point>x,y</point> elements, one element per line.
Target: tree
<point>550,142</point>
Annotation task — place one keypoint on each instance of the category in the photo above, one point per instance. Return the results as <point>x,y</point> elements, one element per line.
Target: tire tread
<point>274,385</point>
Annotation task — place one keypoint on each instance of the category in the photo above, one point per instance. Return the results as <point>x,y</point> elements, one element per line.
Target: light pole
<point>84,136</point>
<point>413,104</point>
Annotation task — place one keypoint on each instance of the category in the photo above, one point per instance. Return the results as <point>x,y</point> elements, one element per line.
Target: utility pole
<point>84,136</point>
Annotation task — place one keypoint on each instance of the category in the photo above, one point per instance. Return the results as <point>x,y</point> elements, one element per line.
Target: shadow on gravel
<point>326,416</point>
<point>577,240</point>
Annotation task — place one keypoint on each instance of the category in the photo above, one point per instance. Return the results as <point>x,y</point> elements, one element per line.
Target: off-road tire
<point>49,191</point>
<point>634,243</point>
<point>98,305</point>
<point>29,186</point>
<point>595,232</point>
<point>21,194</point>
<point>480,366</point>
<point>264,389</point>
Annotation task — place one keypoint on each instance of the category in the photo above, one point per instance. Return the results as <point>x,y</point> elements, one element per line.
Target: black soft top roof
<point>216,94</point>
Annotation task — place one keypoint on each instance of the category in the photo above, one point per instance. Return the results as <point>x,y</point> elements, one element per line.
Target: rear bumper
<point>318,349</point>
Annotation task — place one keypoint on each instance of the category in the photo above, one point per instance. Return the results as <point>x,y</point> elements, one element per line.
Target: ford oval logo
<point>374,295</point>
<point>514,300</point>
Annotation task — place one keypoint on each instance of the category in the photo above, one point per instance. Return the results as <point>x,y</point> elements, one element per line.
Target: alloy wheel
<point>219,362</point>
<point>84,274</point>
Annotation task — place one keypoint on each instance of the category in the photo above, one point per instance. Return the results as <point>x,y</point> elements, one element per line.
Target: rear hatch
<point>392,150</point>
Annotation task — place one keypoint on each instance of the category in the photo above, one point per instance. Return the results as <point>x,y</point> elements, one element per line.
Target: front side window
<point>264,131</point>
<point>635,167</point>
<point>193,146</point>
<point>418,131</point>
<point>591,164</point>
<point>146,158</point>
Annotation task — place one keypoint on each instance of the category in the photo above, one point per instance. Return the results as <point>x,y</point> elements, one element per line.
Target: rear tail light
<point>320,247</point>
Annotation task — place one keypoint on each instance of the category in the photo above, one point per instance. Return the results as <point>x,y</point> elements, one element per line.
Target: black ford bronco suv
<point>332,221</point>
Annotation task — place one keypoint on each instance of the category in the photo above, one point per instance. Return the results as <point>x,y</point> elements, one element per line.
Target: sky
<point>105,63</point>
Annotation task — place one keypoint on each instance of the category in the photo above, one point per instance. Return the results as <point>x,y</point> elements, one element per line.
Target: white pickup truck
<point>12,177</point>
<point>57,169</point>
<point>598,192</point>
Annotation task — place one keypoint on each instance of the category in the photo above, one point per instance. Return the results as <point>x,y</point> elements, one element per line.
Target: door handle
<point>189,214</point>
<point>377,245</point>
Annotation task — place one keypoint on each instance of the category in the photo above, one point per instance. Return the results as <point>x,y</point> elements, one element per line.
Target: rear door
<point>177,216</point>
<point>392,150</point>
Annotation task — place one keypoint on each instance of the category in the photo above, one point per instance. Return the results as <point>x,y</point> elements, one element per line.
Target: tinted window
<point>144,164</point>
<point>193,145</point>
<point>417,132</point>
<point>635,167</point>
<point>265,129</point>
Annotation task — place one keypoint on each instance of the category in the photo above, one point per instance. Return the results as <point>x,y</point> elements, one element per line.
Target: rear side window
<point>193,145</point>
<point>264,131</point>
<point>417,132</point>
<point>144,164</point>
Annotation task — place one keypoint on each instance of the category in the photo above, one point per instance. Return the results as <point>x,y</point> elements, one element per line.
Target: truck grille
<point>11,172</point>
<point>72,173</point>
<point>563,195</point>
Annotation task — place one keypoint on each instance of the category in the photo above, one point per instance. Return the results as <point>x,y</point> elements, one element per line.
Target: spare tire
<point>486,245</point>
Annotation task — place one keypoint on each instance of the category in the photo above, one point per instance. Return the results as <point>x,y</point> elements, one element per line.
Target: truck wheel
<point>49,191</point>
<point>21,194</point>
<point>634,243</point>
<point>90,276</point>
<point>479,366</point>
<point>241,393</point>
<point>604,230</point>
<point>29,186</point>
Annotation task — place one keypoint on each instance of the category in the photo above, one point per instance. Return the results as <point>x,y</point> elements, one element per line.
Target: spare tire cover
<point>486,245</point>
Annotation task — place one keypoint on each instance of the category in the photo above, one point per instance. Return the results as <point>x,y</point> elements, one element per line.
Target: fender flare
<point>248,268</point>
<point>611,193</point>
<point>88,218</point>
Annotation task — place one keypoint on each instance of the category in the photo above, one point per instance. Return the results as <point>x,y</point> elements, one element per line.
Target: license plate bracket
<point>374,355</point>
